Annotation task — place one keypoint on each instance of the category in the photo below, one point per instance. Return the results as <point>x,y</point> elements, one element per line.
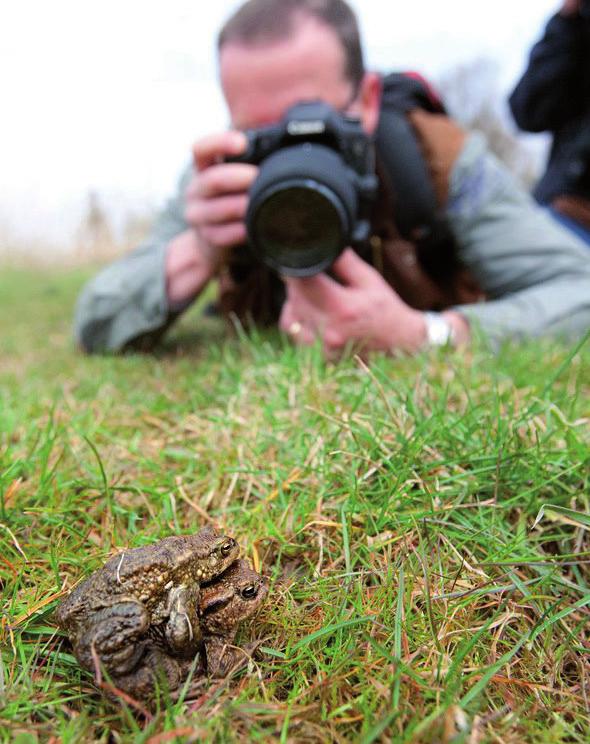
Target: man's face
<point>261,82</point>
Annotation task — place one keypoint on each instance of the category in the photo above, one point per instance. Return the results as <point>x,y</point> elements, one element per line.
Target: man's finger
<point>302,335</point>
<point>319,291</point>
<point>353,271</point>
<point>294,326</point>
<point>218,211</point>
<point>224,236</point>
<point>212,149</point>
<point>287,317</point>
<point>229,178</point>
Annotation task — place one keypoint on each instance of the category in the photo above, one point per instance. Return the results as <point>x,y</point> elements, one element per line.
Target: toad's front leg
<point>182,631</point>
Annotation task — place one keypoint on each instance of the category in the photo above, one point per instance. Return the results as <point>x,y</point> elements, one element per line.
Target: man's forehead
<point>261,81</point>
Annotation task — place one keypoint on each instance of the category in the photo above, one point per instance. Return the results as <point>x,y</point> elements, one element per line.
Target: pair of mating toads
<point>145,616</point>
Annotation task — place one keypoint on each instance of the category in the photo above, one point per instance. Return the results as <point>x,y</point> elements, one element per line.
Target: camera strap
<point>416,212</point>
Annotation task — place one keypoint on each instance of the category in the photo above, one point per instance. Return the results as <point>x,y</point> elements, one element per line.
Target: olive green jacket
<point>534,272</point>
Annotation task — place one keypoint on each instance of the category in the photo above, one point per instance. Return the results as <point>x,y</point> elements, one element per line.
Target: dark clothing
<point>554,95</point>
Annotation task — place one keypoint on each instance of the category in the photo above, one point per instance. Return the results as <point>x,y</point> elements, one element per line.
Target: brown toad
<point>233,597</point>
<point>152,590</point>
<point>226,602</point>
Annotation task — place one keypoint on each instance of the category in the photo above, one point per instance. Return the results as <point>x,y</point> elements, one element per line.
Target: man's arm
<point>550,92</point>
<point>127,301</point>
<point>535,272</point>
<point>131,303</point>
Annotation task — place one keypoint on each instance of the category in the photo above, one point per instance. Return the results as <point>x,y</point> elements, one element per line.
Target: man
<point>554,95</point>
<point>534,275</point>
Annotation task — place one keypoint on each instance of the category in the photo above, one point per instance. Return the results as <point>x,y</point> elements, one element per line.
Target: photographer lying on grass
<point>479,253</point>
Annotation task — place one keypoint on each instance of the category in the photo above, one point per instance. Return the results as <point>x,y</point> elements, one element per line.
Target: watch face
<point>439,331</point>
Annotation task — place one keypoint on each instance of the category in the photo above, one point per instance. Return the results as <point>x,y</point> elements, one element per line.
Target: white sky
<point>110,95</point>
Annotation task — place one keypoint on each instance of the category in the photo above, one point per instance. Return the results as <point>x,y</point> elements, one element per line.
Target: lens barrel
<point>302,209</point>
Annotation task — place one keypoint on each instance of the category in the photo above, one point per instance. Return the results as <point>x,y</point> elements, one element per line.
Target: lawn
<point>424,524</point>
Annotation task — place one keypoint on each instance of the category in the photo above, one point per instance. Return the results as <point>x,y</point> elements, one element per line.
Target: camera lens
<point>299,228</point>
<point>301,209</point>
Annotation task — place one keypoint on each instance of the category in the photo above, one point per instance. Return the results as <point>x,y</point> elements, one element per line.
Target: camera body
<point>313,194</point>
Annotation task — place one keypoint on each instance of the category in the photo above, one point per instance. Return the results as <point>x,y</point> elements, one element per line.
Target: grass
<point>414,596</point>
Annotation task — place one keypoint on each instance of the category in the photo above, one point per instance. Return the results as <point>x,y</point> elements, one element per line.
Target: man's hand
<point>216,203</point>
<point>362,311</point>
<point>217,196</point>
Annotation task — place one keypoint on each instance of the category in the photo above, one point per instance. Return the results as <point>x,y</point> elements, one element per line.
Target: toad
<point>233,597</point>
<point>149,591</point>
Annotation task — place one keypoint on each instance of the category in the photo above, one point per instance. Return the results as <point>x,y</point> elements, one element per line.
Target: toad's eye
<point>227,547</point>
<point>249,591</point>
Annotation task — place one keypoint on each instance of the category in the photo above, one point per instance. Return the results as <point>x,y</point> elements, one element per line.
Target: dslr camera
<point>313,194</point>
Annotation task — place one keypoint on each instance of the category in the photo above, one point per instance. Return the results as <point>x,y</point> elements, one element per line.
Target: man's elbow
<point>91,337</point>
<point>92,323</point>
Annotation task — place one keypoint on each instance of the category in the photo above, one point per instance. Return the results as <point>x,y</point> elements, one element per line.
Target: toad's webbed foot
<point>221,657</point>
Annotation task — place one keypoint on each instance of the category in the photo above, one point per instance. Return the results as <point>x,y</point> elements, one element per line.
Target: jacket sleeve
<point>535,273</point>
<point>126,305</point>
<point>550,92</point>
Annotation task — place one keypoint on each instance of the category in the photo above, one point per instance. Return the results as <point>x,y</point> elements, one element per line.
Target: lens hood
<point>302,209</point>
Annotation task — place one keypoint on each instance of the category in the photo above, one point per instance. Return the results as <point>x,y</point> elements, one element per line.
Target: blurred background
<point>102,101</point>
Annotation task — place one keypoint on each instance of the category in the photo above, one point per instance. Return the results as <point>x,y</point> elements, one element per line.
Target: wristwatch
<point>439,332</point>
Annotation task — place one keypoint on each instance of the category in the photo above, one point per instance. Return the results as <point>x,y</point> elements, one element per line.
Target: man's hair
<point>262,21</point>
